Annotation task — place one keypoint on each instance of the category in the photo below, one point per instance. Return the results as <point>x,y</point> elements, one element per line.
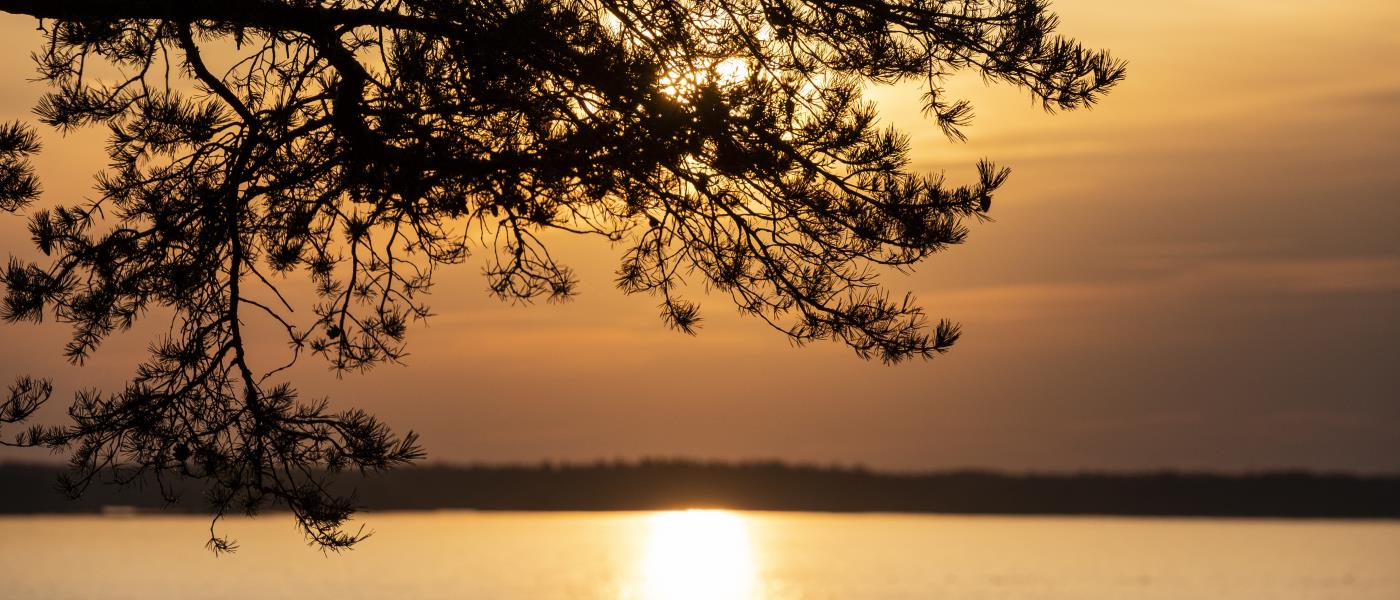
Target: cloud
<point>1189,280</point>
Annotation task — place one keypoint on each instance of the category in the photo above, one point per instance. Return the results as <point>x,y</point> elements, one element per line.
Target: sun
<point>698,555</point>
<point>727,72</point>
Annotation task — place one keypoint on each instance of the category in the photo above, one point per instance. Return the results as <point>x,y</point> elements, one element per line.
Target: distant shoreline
<point>178,513</point>
<point>773,486</point>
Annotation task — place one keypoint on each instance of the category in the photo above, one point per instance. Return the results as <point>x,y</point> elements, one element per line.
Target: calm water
<point>707,555</point>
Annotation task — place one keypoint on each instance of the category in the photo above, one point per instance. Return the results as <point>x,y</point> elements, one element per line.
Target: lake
<point>710,555</point>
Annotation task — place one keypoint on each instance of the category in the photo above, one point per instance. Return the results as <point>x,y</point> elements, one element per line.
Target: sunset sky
<point>1202,272</point>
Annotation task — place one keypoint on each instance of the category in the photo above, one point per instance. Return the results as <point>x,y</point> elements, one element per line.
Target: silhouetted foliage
<point>724,142</point>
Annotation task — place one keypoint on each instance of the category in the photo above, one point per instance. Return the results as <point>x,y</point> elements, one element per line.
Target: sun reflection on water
<point>697,554</point>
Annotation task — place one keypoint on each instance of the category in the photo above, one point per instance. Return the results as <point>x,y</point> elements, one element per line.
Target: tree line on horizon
<point>663,484</point>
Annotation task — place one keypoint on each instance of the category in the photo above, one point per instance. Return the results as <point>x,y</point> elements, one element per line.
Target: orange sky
<point>1202,272</point>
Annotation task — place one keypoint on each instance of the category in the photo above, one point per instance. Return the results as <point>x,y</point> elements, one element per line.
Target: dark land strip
<point>671,484</point>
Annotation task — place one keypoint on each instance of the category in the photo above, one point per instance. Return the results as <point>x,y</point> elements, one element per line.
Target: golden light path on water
<point>697,555</point>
